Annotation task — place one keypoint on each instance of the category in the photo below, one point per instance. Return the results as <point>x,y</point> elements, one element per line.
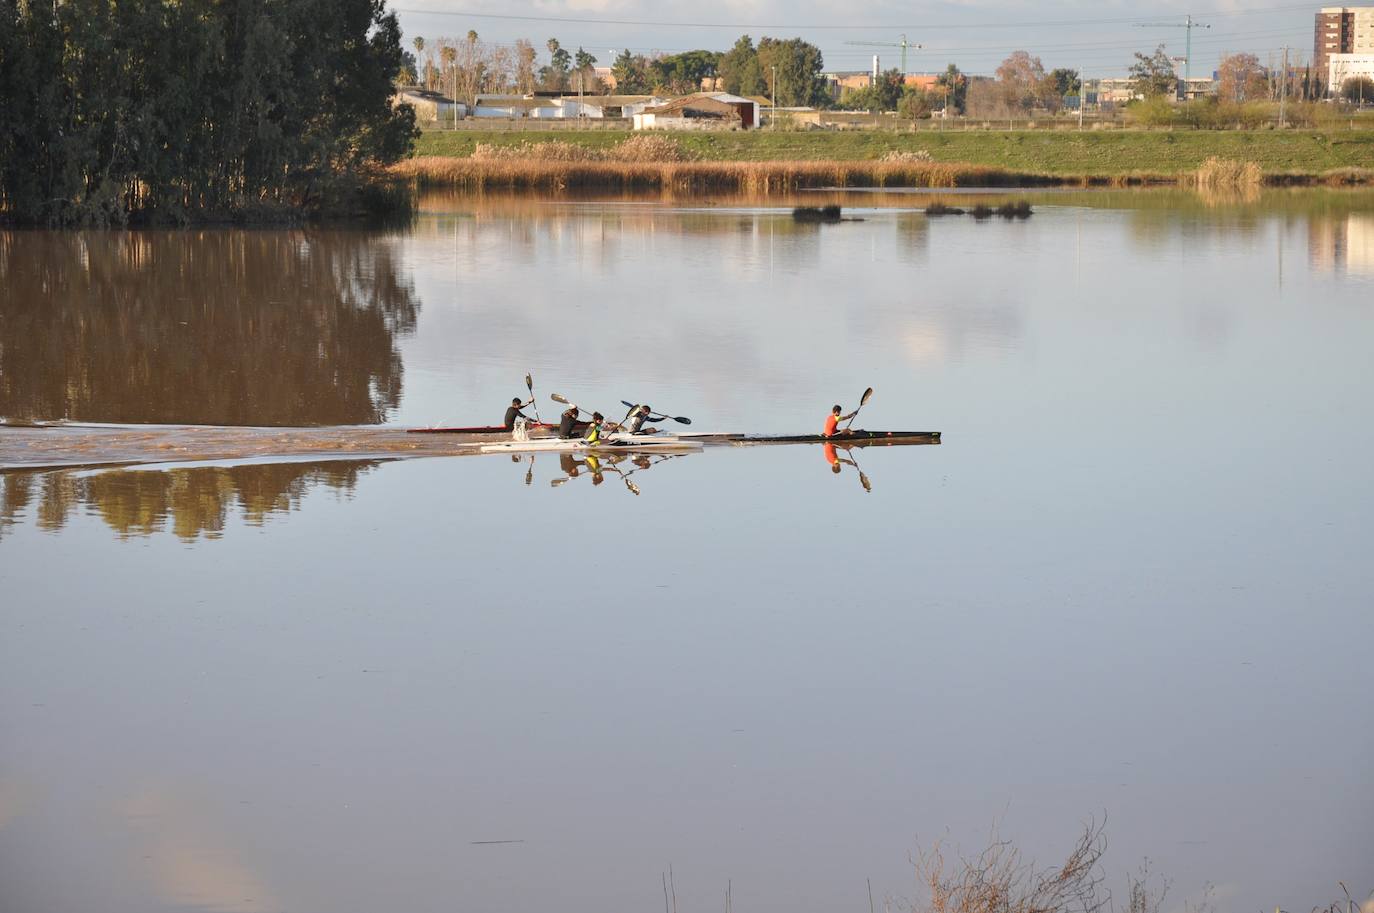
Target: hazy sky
<point>1098,37</point>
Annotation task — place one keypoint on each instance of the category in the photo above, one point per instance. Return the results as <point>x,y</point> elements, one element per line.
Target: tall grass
<point>1220,172</point>
<point>707,177</point>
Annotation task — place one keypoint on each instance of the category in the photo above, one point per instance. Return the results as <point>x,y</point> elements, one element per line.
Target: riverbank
<point>764,161</point>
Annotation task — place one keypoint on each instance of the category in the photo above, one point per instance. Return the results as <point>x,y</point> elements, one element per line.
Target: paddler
<point>593,435</point>
<point>567,422</point>
<point>832,421</point>
<point>513,412</point>
<point>638,416</point>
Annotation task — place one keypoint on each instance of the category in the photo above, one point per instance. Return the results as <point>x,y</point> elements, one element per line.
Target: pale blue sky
<point>1096,37</point>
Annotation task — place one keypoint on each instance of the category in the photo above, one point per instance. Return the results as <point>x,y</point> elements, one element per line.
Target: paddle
<point>868,394</point>
<point>680,419</point>
<point>529,384</point>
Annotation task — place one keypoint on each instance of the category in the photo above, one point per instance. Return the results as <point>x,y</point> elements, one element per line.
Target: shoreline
<point>787,176</point>
<point>767,162</point>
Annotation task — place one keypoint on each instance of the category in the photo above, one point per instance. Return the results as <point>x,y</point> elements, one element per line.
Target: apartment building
<point>1341,30</point>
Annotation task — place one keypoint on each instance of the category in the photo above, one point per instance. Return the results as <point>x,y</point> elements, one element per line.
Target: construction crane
<point>1189,25</point>
<point>903,44</point>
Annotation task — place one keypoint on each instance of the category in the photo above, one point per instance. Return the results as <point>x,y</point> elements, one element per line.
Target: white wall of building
<point>1348,66</point>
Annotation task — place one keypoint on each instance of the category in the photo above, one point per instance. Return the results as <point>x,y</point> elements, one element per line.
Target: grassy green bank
<point>1067,154</point>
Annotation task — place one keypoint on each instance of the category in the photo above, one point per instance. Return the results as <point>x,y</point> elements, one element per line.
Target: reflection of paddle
<point>529,383</point>
<point>529,473</point>
<point>680,419</point>
<point>863,479</point>
<point>868,394</point>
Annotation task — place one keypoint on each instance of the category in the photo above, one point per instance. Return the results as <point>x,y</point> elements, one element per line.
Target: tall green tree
<point>798,67</point>
<point>739,69</point>
<point>632,74</point>
<point>684,73</point>
<point>173,109</point>
<point>1154,74</point>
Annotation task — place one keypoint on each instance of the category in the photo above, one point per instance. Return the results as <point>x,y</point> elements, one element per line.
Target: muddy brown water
<point>253,656</point>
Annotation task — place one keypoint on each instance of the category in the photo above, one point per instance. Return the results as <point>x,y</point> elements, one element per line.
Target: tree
<point>1154,74</point>
<point>985,98</point>
<point>584,60</point>
<point>1024,84</point>
<point>915,103</point>
<point>555,76</point>
<point>524,66</point>
<point>955,86</point>
<point>1241,78</point>
<point>799,65</point>
<point>740,72</point>
<point>1358,89</point>
<point>686,72</point>
<point>1065,81</point>
<point>632,75</point>
<point>177,110</point>
<point>409,73</point>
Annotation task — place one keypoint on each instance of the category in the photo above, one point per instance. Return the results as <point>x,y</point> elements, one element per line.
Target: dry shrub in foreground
<point>999,880</point>
<point>900,157</point>
<point>1219,172</point>
<point>649,148</point>
<point>551,151</point>
<point>635,149</point>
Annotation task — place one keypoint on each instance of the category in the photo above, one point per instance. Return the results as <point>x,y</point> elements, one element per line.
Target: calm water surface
<point>1133,580</point>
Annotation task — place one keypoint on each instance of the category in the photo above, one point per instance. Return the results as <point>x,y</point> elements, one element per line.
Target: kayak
<point>856,438</point>
<point>481,429</point>
<point>608,444</point>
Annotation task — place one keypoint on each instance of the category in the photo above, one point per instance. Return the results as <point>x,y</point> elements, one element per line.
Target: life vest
<point>832,421</point>
<point>593,434</point>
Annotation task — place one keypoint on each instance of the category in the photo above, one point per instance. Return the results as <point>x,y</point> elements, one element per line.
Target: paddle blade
<point>529,383</point>
<point>632,486</point>
<point>626,404</point>
<point>863,480</point>
<point>868,394</point>
<point>681,419</point>
<point>560,398</point>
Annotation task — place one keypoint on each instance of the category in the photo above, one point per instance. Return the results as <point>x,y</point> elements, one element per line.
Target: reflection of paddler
<point>594,464</point>
<point>831,456</point>
<point>567,464</point>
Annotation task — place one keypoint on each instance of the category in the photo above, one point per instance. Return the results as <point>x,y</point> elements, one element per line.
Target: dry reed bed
<point>780,177</point>
<point>708,177</point>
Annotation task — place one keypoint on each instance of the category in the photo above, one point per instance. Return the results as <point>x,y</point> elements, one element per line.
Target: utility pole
<point>1082,97</point>
<point>1283,88</point>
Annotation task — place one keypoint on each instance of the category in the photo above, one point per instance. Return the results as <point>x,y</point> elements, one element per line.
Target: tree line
<point>119,110</point>
<point>468,66</point>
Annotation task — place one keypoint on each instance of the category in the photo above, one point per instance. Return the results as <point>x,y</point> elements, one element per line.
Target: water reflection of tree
<point>195,500</point>
<point>220,327</point>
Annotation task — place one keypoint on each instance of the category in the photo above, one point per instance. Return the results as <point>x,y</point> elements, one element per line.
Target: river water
<point>1133,581</point>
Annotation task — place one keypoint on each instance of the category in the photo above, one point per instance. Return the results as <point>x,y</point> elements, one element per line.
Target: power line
<point>660,23</point>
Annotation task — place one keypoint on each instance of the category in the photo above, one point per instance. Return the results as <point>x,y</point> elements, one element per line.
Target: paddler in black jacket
<point>514,412</point>
<point>567,422</point>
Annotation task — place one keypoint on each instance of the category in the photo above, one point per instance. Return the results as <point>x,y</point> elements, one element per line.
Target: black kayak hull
<point>856,438</point>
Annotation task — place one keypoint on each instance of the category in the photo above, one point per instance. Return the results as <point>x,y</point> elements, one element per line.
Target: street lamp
<point>774,114</point>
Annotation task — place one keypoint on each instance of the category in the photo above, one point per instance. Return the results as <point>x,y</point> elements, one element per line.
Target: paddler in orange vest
<point>832,421</point>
